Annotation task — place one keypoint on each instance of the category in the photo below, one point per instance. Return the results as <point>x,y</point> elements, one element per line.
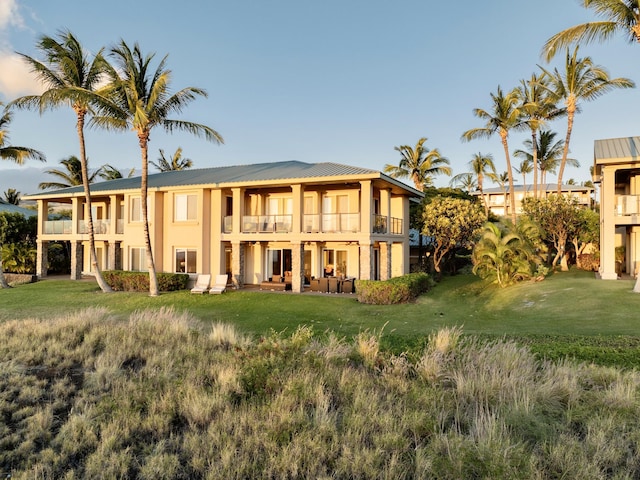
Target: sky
<point>341,81</point>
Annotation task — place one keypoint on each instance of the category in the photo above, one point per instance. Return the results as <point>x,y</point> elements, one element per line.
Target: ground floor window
<point>334,263</point>
<point>278,262</point>
<point>138,259</point>
<point>186,260</point>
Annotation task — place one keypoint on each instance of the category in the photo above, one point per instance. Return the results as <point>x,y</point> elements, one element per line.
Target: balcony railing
<point>99,226</point>
<point>627,205</point>
<point>266,223</point>
<point>340,222</point>
<point>57,227</point>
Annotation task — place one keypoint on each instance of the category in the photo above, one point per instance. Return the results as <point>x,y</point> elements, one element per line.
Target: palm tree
<point>17,155</point>
<point>481,166</point>
<point>420,164</point>
<point>176,163</point>
<point>140,100</point>
<point>504,117</point>
<point>465,181</point>
<point>12,152</point>
<point>620,16</point>
<point>524,168</point>
<point>71,80</point>
<point>537,109</point>
<point>109,172</point>
<point>12,196</point>
<point>549,154</point>
<point>502,179</point>
<point>580,81</point>
<point>71,176</point>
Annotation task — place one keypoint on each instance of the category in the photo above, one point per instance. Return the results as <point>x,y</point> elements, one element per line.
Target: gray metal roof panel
<point>223,175</point>
<point>624,147</point>
<point>8,207</point>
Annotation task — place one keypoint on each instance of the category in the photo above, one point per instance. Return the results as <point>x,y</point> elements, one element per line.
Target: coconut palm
<point>176,162</point>
<point>619,16</point>
<point>581,80</point>
<point>504,117</point>
<point>524,168</point>
<point>465,181</point>
<point>140,100</point>
<point>12,196</point>
<point>12,152</point>
<point>419,164</point>
<point>549,154</point>
<point>71,176</point>
<point>109,172</point>
<point>481,166</point>
<point>537,109</point>
<point>71,79</point>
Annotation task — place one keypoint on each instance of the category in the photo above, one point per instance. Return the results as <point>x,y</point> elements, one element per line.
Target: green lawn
<point>573,305</point>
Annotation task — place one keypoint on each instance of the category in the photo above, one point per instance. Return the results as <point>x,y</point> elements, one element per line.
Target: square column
<point>42,258</point>
<point>237,264</point>
<point>385,261</point>
<point>607,270</point>
<point>297,267</point>
<point>366,250</point>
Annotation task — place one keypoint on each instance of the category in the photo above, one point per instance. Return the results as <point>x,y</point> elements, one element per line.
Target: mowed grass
<point>565,303</point>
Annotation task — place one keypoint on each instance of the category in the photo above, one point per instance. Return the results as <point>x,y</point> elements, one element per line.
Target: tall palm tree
<point>481,166</point>
<point>537,108</point>
<point>71,176</point>
<point>140,100</point>
<point>524,168</point>
<point>581,80</point>
<point>504,116</point>
<point>176,162</point>
<point>419,164</point>
<point>15,154</point>
<point>12,196</point>
<point>619,16</point>
<point>71,79</point>
<point>466,181</point>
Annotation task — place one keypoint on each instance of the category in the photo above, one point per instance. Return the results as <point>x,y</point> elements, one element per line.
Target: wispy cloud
<point>15,77</point>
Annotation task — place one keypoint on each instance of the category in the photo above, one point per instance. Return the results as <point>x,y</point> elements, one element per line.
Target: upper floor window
<point>136,209</point>
<point>186,207</point>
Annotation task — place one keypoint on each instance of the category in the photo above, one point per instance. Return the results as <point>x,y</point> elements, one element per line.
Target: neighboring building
<point>252,222</point>
<point>499,201</point>
<point>9,207</point>
<point>617,169</point>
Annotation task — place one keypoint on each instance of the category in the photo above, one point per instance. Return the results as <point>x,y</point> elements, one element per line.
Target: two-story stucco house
<point>252,222</point>
<point>499,201</point>
<point>617,169</point>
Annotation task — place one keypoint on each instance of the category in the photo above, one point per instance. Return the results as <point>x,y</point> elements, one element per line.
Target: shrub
<point>395,290</point>
<point>124,281</point>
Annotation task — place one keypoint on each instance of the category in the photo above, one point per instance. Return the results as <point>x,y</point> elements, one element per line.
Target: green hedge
<point>123,281</point>
<point>395,290</point>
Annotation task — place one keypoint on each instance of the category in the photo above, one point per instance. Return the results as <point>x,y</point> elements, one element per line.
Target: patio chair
<point>202,284</point>
<point>221,284</point>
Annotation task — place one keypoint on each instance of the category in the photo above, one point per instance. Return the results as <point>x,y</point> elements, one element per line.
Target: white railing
<point>57,227</point>
<point>627,205</point>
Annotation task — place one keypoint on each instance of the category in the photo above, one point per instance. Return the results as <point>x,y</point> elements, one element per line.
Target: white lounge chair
<point>221,284</point>
<point>202,284</point>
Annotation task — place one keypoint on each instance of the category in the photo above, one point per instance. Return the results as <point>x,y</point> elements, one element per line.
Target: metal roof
<point>8,207</point>
<point>624,147</point>
<point>284,172</point>
<point>550,187</point>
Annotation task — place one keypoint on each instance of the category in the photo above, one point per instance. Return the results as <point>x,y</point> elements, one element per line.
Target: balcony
<point>266,223</point>
<point>339,222</point>
<point>627,205</point>
<point>58,227</point>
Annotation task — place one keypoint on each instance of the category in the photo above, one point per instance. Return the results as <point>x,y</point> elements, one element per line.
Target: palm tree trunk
<point>571,111</point>
<point>534,142</point>
<point>3,280</point>
<point>153,279</point>
<point>512,200</point>
<point>87,198</point>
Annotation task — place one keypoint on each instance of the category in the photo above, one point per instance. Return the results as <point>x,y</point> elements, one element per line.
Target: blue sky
<point>317,81</point>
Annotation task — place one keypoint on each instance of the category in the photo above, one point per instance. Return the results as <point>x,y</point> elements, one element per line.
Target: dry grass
<point>163,396</point>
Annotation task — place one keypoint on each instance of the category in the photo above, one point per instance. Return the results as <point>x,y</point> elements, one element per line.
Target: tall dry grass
<point>164,396</point>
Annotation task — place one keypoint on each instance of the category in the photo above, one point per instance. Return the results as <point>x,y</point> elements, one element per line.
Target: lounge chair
<point>202,284</point>
<point>221,284</point>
